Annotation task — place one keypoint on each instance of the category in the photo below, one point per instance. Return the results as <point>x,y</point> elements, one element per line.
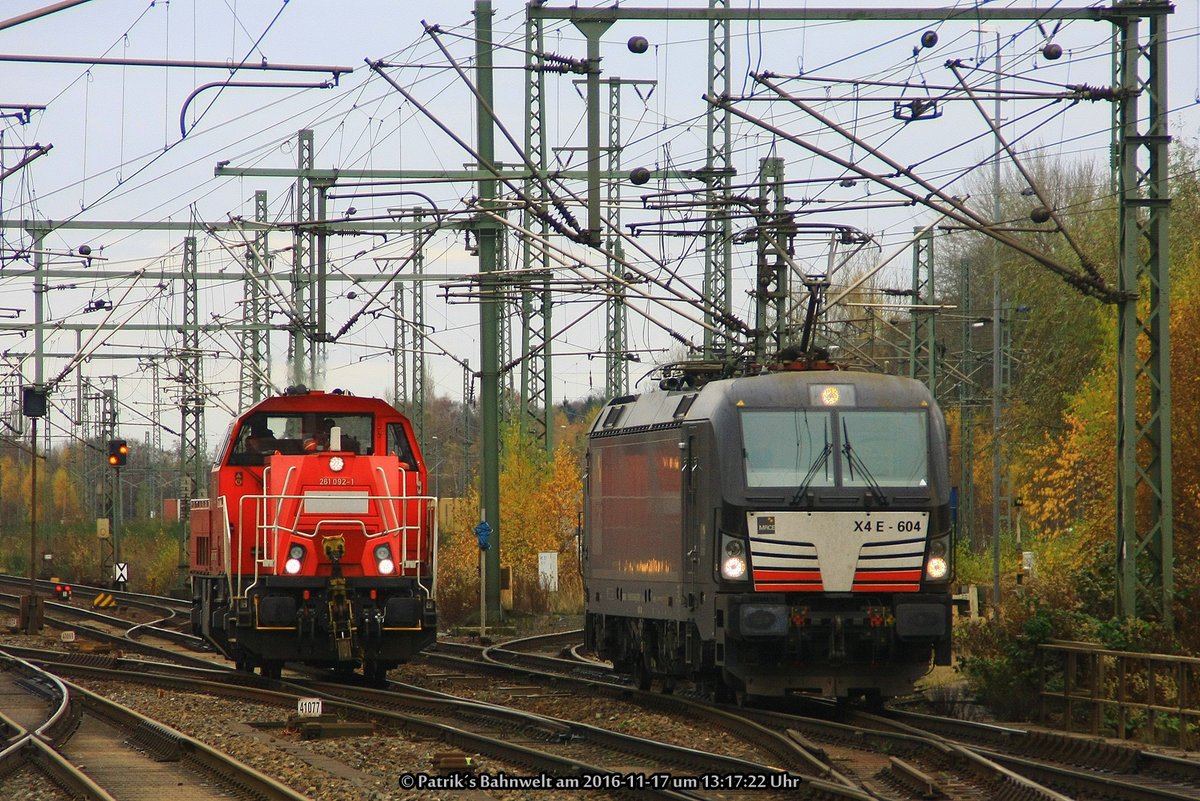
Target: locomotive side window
<point>784,447</point>
<point>398,445</point>
<point>892,446</point>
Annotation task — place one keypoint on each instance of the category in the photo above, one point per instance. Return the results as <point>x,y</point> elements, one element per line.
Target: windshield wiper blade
<point>853,460</point>
<point>820,461</point>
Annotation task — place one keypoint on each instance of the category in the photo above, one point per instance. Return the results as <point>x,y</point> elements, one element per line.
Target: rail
<point>1127,694</point>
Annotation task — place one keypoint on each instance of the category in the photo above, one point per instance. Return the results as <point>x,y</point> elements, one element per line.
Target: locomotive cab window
<point>357,432</point>
<point>888,447</point>
<point>263,434</point>
<point>784,447</point>
<point>257,439</point>
<point>848,448</point>
<point>398,445</point>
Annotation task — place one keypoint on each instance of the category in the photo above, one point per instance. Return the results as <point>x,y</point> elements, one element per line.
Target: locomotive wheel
<point>375,673</point>
<point>272,669</point>
<point>873,700</point>
<point>641,674</point>
<point>722,691</point>
<point>668,685</point>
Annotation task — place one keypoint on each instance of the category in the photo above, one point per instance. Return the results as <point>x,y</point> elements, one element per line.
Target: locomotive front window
<point>787,448</point>
<point>296,433</point>
<point>884,448</point>
<point>357,431</point>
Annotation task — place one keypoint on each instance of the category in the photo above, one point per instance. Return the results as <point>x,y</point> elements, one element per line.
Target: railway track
<point>925,757</point>
<point>527,744</point>
<point>907,753</point>
<point>119,633</point>
<point>1102,764</point>
<point>161,605</point>
<point>92,748</point>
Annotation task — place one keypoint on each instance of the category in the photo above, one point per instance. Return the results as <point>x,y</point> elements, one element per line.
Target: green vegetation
<point>1060,433</point>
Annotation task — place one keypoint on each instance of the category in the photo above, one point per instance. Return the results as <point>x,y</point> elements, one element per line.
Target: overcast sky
<point>118,155</point>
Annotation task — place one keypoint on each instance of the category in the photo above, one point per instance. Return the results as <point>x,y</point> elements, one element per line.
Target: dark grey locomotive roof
<point>788,389</point>
<point>715,406</point>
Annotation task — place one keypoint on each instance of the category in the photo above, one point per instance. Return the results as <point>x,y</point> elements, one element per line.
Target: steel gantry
<point>1145,538</point>
<point>408,332</point>
<point>922,341</point>
<point>616,344</point>
<point>536,305</point>
<point>772,294</point>
<point>718,173</point>
<point>304,347</point>
<point>191,393</point>
<point>256,314</point>
<point>616,370</point>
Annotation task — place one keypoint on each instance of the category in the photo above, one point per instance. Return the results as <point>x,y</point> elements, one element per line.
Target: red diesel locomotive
<point>317,542</point>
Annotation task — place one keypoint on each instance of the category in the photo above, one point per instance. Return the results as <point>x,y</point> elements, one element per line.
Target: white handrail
<point>272,530</point>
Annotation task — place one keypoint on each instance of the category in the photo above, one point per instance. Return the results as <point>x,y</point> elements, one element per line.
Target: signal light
<point>118,452</point>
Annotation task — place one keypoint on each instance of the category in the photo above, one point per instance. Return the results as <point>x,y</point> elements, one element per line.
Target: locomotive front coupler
<point>341,615</point>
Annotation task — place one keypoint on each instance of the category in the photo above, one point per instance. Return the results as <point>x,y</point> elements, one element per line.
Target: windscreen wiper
<point>853,461</point>
<point>819,461</point>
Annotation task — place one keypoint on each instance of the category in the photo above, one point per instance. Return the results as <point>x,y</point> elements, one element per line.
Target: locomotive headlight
<point>383,558</point>
<point>733,568</point>
<point>733,557</point>
<point>936,567</point>
<point>336,464</point>
<point>295,557</point>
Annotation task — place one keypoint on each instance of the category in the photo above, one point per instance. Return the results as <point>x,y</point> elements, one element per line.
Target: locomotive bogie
<point>289,619</point>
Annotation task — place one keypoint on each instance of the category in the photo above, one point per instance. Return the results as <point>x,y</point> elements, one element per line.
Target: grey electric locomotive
<point>780,533</point>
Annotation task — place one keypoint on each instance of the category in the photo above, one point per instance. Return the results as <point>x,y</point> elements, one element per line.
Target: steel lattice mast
<point>718,172</point>
<point>1145,537</point>
<point>255,338</point>
<point>536,304</point>
<point>922,343</point>
<point>191,397</point>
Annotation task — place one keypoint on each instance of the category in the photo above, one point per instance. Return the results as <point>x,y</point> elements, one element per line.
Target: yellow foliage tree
<point>539,511</point>
<point>1068,481</point>
<point>67,508</point>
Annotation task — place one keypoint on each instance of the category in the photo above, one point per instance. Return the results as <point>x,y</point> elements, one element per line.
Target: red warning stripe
<point>787,575</point>
<point>887,575</point>
<point>788,580</point>
<point>887,580</point>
